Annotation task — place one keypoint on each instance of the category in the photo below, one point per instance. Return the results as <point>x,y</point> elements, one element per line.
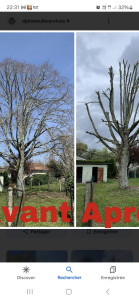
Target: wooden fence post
<point>31,182</point>
<point>10,203</point>
<point>60,188</point>
<point>89,197</point>
<point>72,203</point>
<point>48,185</point>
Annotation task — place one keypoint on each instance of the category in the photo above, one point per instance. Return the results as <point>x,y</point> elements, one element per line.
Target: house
<point>38,168</point>
<point>89,170</point>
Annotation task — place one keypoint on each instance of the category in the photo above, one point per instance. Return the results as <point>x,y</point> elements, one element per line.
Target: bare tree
<point>34,101</point>
<point>124,130</point>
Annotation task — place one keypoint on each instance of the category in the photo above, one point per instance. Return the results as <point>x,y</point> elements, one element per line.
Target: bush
<point>69,185</point>
<point>36,179</point>
<point>56,169</point>
<point>69,189</point>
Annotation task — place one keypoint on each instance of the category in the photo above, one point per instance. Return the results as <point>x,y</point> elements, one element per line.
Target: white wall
<point>87,172</point>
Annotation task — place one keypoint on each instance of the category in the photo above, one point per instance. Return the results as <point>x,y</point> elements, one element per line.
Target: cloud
<point>131,51</point>
<point>88,58</point>
<point>84,124</point>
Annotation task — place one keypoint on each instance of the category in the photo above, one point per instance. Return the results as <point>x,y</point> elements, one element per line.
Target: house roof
<point>91,162</point>
<point>39,167</point>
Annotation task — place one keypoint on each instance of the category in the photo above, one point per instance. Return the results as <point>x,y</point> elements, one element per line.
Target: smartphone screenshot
<point>69,150</point>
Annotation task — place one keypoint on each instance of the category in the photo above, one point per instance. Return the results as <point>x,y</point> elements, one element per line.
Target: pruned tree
<point>124,129</point>
<point>35,101</point>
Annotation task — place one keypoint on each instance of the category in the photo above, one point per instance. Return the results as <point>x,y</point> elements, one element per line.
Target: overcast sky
<point>96,52</point>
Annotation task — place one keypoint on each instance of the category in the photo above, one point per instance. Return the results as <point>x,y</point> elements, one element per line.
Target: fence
<point>10,205</point>
<point>88,197</point>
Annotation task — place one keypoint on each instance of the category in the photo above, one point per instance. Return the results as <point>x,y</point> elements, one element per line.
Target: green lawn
<point>37,198</point>
<point>109,195</point>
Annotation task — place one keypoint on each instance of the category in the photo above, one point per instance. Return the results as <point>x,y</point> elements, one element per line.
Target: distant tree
<point>99,155</point>
<point>92,154</point>
<point>55,169</point>
<point>124,130</point>
<point>81,149</point>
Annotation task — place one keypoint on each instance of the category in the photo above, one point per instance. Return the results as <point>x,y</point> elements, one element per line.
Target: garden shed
<point>89,170</point>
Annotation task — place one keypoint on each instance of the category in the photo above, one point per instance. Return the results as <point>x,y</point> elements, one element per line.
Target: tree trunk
<point>123,170</point>
<point>20,176</point>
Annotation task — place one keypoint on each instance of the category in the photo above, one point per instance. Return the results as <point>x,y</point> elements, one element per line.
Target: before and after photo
<point>69,127</point>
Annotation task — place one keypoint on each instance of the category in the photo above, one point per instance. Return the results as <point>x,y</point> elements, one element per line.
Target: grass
<point>109,195</point>
<point>37,198</point>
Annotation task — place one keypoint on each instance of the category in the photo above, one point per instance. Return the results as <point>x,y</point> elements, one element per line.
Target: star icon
<point>26,269</point>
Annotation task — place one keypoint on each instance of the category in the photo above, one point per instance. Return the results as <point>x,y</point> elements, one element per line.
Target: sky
<point>37,48</point>
<point>96,52</point>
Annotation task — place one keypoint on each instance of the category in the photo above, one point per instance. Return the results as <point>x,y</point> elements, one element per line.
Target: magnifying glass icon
<point>69,269</point>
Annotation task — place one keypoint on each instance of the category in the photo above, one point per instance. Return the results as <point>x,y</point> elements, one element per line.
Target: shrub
<point>36,179</point>
<point>56,169</point>
<point>69,189</point>
<point>69,185</point>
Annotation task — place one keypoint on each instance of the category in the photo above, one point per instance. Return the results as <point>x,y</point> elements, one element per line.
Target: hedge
<point>36,179</point>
